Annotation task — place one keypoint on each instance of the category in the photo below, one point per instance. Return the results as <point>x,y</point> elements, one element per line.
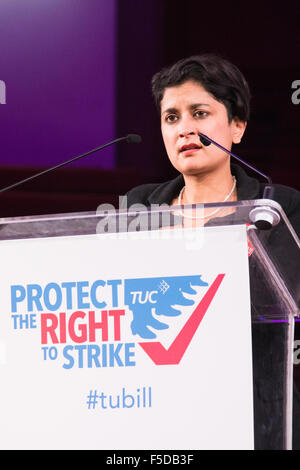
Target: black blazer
<point>247,188</point>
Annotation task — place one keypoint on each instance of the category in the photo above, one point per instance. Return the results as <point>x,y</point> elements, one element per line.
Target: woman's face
<point>186,110</point>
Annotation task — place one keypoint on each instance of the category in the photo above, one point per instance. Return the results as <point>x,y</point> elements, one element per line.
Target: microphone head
<point>133,139</point>
<point>204,140</point>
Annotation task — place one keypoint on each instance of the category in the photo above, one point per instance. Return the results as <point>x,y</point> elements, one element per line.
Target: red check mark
<point>162,356</point>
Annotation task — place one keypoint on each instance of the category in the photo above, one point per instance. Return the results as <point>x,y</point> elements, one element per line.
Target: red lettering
<point>93,325</point>
<point>117,327</point>
<point>49,328</point>
<point>62,328</point>
<point>81,327</point>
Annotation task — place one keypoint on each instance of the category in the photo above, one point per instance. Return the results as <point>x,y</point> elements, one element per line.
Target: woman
<point>208,94</point>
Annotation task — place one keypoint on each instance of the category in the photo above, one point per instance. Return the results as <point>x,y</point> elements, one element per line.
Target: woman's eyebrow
<point>192,107</point>
<point>170,111</point>
<point>198,105</point>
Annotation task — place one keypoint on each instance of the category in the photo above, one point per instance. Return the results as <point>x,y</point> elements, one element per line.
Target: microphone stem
<point>62,164</point>
<point>237,158</point>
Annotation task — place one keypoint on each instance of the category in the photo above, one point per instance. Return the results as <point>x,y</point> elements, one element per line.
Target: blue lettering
<point>52,306</point>
<point>114,355</point>
<point>80,348</point>
<point>129,354</point>
<point>69,286</point>
<point>94,299</point>
<point>126,397</point>
<point>93,355</point>
<point>81,295</point>
<point>68,357</point>
<point>114,284</point>
<point>34,293</point>
<point>17,295</point>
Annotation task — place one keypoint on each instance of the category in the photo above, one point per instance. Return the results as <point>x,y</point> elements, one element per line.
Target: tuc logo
<point>142,295</point>
<point>160,294</point>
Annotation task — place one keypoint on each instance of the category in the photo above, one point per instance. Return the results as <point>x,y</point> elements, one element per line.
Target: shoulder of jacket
<point>138,195</point>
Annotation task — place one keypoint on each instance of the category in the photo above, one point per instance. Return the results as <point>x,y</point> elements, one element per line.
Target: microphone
<point>261,219</point>
<point>130,139</point>
<point>133,139</point>
<point>268,190</point>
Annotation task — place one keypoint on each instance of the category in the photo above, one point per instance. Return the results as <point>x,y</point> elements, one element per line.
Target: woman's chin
<point>194,168</point>
<point>191,170</point>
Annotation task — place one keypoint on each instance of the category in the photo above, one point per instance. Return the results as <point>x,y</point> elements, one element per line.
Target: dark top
<point>267,339</point>
<point>247,188</point>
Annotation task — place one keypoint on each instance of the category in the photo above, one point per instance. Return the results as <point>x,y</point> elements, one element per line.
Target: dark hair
<point>218,76</point>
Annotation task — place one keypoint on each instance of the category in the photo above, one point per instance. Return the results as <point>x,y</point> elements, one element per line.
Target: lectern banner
<point>136,341</point>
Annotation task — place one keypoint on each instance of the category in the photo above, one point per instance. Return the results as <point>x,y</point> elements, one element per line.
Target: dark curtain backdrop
<point>261,38</point>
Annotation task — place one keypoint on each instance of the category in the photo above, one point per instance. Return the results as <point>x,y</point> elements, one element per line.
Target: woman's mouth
<point>189,148</point>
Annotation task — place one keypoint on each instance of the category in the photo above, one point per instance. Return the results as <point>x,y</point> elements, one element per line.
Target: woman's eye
<point>171,118</point>
<point>200,113</point>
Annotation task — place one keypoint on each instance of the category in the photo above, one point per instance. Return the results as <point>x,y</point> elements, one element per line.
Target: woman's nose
<point>185,132</point>
<point>187,126</point>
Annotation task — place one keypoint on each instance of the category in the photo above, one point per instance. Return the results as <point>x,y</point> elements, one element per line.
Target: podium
<point>103,344</point>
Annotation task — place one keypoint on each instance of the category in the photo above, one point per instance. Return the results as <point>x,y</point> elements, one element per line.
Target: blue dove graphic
<point>159,293</point>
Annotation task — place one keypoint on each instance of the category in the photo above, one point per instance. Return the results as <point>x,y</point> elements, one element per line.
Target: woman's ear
<point>237,130</point>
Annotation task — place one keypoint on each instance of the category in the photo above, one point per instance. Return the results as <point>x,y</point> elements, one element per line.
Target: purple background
<point>57,59</point>
<point>78,74</point>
